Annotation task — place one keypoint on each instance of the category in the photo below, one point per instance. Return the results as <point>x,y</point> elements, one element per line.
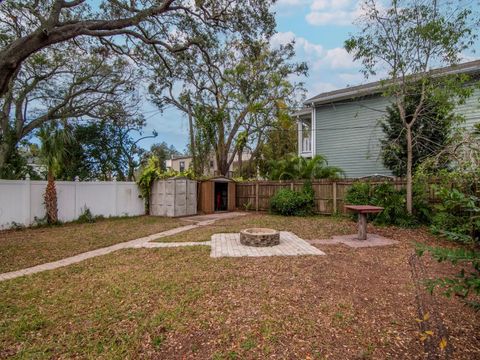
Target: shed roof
<point>220,179</point>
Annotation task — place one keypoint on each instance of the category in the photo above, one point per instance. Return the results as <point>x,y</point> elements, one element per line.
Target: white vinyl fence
<point>21,201</point>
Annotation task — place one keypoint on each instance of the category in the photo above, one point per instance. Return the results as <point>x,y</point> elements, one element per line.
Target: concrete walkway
<point>199,221</point>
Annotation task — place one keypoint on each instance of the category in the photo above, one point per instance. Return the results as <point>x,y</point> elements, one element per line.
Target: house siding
<point>471,109</point>
<point>348,134</point>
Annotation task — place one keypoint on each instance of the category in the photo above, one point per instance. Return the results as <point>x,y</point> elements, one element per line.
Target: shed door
<point>206,198</point>
<point>232,196</point>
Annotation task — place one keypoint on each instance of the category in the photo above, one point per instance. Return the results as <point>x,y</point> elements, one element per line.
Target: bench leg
<point>362,226</point>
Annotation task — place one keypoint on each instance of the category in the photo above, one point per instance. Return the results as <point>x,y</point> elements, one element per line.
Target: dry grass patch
<point>181,304</point>
<point>178,303</point>
<point>28,247</point>
<point>311,227</point>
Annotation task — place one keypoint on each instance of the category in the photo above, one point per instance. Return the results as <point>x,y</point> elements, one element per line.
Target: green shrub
<point>384,195</point>
<point>86,216</point>
<point>457,215</point>
<point>359,193</point>
<point>466,284</point>
<point>293,203</point>
<point>394,203</point>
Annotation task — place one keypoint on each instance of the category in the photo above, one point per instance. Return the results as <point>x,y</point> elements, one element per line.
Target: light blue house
<point>343,125</point>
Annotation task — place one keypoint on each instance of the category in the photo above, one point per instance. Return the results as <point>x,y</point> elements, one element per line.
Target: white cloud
<point>329,69</point>
<point>319,87</point>
<point>333,12</point>
<point>302,45</point>
<point>315,54</point>
<point>291,2</point>
<point>352,78</point>
<point>282,38</point>
<point>329,4</point>
<point>339,58</point>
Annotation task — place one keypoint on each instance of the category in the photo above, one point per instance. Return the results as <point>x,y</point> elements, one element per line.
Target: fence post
<point>334,188</point>
<point>291,186</point>
<point>75,201</point>
<point>256,196</point>
<point>115,196</point>
<point>28,201</point>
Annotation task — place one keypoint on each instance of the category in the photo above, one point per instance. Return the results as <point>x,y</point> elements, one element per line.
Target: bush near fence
<point>329,194</point>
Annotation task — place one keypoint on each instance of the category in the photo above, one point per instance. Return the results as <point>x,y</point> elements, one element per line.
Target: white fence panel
<point>35,204</point>
<point>13,197</point>
<point>21,201</point>
<point>128,200</point>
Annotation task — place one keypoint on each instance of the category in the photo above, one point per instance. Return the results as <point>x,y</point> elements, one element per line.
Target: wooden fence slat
<point>329,194</point>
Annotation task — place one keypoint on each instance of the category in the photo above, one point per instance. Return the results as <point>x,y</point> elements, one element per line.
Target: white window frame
<point>314,132</point>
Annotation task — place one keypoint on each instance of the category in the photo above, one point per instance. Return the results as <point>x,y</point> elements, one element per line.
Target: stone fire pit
<point>259,237</point>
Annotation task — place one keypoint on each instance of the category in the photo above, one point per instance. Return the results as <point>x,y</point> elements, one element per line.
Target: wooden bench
<point>362,211</point>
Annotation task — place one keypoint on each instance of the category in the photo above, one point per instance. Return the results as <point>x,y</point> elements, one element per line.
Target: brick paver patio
<point>228,245</point>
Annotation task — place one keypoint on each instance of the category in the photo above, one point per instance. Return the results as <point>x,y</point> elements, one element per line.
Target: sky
<point>320,28</point>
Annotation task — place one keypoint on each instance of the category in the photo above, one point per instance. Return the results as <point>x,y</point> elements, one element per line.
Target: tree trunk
<point>222,162</point>
<point>196,171</point>
<point>409,169</point>
<point>51,200</point>
<point>4,152</point>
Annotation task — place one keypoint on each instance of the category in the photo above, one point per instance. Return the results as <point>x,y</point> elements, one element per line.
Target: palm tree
<point>52,153</point>
<point>295,167</point>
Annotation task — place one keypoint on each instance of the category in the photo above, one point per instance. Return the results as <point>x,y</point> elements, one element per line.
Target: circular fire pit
<point>259,237</point>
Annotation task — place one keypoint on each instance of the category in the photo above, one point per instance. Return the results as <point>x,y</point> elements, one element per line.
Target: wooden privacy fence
<point>329,194</point>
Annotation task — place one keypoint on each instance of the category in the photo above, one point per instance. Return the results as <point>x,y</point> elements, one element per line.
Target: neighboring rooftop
<point>375,87</point>
<point>180,157</point>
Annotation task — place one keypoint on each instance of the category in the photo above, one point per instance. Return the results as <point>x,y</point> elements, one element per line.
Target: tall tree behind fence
<point>329,194</point>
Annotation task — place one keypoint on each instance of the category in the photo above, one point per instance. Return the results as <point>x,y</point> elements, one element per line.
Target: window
<point>182,166</point>
<point>211,164</point>
<point>306,137</point>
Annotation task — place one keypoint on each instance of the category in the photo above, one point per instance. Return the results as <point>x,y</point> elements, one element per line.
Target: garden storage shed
<point>174,197</point>
<point>217,194</point>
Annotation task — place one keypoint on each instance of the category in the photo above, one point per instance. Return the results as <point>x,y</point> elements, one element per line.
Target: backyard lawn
<point>177,303</point>
<point>28,247</point>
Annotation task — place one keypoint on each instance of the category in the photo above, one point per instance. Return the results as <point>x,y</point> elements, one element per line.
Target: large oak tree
<point>232,93</point>
<point>51,87</point>
<point>28,26</point>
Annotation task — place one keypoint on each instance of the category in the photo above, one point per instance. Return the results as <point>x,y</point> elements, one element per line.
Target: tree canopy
<point>430,134</point>
<point>233,91</point>
<point>83,60</point>
<point>28,26</point>
<point>51,87</point>
<point>294,167</point>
